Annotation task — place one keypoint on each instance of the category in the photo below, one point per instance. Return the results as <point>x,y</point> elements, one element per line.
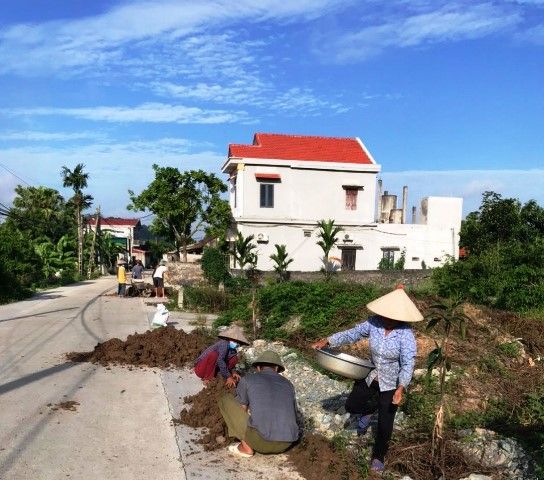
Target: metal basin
<point>343,364</point>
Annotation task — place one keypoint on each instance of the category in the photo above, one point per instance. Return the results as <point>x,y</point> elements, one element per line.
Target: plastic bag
<point>160,318</point>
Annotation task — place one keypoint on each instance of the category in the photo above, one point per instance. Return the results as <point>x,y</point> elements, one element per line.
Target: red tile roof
<point>302,147</point>
<point>116,221</point>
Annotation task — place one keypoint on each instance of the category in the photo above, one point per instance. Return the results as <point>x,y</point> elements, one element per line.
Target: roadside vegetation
<point>481,347</point>
<point>43,242</point>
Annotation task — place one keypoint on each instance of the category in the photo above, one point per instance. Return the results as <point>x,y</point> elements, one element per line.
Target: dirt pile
<point>203,411</point>
<point>163,347</point>
<point>316,458</point>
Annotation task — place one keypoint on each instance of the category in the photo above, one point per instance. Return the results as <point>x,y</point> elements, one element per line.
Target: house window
<point>234,190</point>
<point>351,198</point>
<point>348,258</point>
<point>389,255</point>
<point>267,195</point>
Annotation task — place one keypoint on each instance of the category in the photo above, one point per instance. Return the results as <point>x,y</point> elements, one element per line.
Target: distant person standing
<point>158,279</point>
<point>121,278</point>
<point>137,270</point>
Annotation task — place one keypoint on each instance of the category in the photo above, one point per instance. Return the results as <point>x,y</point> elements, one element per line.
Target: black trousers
<point>366,400</point>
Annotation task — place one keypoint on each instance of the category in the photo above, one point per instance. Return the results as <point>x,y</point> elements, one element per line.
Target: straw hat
<point>271,358</point>
<point>121,261</point>
<point>396,305</point>
<point>234,333</point>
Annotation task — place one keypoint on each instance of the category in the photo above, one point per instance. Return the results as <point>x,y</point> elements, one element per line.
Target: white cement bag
<point>160,318</point>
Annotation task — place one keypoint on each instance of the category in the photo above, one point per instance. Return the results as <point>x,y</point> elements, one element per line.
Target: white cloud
<point>95,41</point>
<point>448,23</point>
<point>147,112</point>
<point>113,167</point>
<point>34,136</point>
<point>533,35</point>
<point>468,184</point>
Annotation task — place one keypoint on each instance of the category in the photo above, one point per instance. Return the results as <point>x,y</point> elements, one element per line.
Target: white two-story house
<point>282,185</point>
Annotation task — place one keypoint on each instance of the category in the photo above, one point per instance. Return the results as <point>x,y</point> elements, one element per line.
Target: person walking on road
<point>158,279</point>
<point>121,278</point>
<point>263,415</point>
<point>137,270</point>
<point>393,351</point>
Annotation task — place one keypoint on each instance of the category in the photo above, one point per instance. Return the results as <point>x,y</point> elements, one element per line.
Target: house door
<point>348,258</point>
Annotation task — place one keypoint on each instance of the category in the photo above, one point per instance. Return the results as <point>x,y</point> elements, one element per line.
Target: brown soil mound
<point>162,347</point>
<point>204,412</point>
<point>316,458</point>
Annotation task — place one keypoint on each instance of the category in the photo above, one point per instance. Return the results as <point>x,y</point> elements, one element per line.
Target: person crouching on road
<point>263,415</point>
<point>121,278</point>
<point>393,351</point>
<point>222,357</point>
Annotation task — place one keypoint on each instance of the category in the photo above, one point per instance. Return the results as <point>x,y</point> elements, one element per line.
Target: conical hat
<point>234,333</point>
<point>396,305</point>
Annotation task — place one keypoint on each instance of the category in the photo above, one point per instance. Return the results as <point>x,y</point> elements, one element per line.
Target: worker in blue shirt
<point>393,351</point>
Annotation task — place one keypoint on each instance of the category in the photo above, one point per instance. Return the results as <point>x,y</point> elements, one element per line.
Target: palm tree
<point>244,250</point>
<point>77,180</point>
<point>281,261</point>
<point>327,239</point>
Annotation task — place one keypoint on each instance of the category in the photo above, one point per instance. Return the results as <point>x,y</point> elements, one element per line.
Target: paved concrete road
<point>121,428</point>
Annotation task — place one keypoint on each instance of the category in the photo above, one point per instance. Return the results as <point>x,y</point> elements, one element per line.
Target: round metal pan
<point>343,364</point>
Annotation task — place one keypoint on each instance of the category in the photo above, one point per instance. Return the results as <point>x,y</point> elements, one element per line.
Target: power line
<point>14,174</point>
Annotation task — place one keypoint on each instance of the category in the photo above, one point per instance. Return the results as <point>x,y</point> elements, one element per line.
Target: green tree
<point>214,265</point>
<point>281,261</point>
<point>20,267</point>
<point>185,204</point>
<point>56,258</point>
<point>244,251</point>
<point>328,238</point>
<point>108,249</point>
<point>76,179</point>
<point>446,316</point>
<point>40,212</point>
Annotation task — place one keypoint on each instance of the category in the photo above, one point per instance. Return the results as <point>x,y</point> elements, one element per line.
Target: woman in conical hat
<point>393,351</point>
<point>222,356</point>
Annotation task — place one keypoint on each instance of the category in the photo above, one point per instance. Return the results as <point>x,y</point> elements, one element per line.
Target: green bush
<point>205,299</point>
<point>237,285</point>
<point>239,311</point>
<point>214,266</point>
<point>507,276</point>
<point>322,307</point>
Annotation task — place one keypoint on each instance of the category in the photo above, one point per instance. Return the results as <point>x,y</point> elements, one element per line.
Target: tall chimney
<point>414,210</point>
<point>404,202</point>
<point>379,214</point>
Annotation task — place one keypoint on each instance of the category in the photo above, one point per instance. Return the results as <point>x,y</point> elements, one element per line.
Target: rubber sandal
<point>377,466</point>
<point>234,450</point>
<point>363,424</point>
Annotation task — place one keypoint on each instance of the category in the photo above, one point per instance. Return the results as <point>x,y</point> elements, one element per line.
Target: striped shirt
<point>393,354</point>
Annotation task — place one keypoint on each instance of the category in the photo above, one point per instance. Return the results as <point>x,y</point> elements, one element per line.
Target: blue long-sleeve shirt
<point>393,354</point>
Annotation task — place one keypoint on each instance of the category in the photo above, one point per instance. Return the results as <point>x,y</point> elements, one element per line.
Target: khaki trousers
<point>236,419</point>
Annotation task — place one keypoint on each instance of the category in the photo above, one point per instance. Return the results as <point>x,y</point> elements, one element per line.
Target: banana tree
<point>56,258</point>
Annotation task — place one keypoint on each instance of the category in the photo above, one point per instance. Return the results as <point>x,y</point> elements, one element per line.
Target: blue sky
<point>447,96</point>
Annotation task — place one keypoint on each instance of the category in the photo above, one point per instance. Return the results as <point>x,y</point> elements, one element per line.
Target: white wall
<point>305,194</point>
<point>430,244</point>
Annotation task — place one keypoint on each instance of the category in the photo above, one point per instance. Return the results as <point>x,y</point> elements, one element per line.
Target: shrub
<point>239,311</point>
<point>207,299</point>
<point>214,266</point>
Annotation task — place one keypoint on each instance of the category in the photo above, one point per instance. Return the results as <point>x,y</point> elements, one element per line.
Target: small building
<point>280,186</point>
<point>126,232</point>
